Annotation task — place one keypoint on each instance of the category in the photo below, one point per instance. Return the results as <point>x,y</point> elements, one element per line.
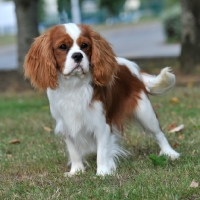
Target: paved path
<point>137,41</point>
<point>141,41</point>
<point>8,57</point>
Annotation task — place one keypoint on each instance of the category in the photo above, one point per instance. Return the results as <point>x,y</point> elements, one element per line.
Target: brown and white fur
<point>92,93</point>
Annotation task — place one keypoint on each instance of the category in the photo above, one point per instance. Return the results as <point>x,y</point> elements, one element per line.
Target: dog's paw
<point>103,171</point>
<point>73,172</point>
<point>171,153</point>
<point>70,174</point>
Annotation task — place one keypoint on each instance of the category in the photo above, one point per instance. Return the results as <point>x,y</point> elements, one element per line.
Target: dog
<point>92,93</point>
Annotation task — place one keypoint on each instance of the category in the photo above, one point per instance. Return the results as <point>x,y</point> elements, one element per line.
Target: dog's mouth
<point>78,67</point>
<point>76,71</point>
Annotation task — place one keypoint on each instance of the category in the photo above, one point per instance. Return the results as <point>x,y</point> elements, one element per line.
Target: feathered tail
<point>158,85</point>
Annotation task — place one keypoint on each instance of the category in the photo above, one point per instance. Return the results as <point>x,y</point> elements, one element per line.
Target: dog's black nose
<point>77,57</point>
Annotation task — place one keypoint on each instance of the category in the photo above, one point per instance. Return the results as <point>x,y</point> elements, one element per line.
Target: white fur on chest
<point>72,107</point>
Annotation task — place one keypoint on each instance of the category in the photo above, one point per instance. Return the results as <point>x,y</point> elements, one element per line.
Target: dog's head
<point>72,50</point>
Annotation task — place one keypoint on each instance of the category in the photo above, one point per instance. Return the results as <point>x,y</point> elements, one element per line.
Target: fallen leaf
<point>181,137</point>
<point>157,106</point>
<point>45,107</point>
<point>172,126</point>
<point>190,85</point>
<point>177,129</point>
<point>194,184</point>
<point>47,129</point>
<point>190,106</point>
<point>174,100</point>
<point>14,141</point>
<point>175,145</point>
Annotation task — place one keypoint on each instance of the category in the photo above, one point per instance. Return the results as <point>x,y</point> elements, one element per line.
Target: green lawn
<point>34,168</point>
<point>7,40</point>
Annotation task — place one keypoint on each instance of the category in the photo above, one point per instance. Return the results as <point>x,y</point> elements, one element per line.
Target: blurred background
<point>154,33</point>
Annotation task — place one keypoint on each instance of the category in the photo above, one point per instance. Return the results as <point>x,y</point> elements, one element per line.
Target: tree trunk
<point>190,52</point>
<point>27,23</point>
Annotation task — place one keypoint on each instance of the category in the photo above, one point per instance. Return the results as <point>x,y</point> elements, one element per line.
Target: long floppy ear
<point>40,64</point>
<point>103,62</point>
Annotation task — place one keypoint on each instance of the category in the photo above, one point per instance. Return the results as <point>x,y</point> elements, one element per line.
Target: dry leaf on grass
<point>14,141</point>
<point>47,129</point>
<point>181,137</point>
<point>175,145</point>
<point>177,129</point>
<point>174,100</point>
<point>194,184</point>
<point>158,105</point>
<point>45,107</point>
<point>172,126</point>
<point>190,85</point>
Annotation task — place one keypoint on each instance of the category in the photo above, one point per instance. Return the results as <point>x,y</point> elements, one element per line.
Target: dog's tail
<point>158,85</point>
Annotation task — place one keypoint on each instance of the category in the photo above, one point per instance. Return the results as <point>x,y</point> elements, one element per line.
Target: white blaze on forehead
<point>70,65</point>
<point>73,30</point>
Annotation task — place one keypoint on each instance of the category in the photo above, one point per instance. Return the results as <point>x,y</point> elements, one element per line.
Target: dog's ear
<point>40,64</point>
<point>103,62</point>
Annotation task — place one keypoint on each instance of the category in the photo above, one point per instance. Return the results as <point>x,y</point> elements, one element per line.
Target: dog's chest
<point>74,109</point>
<point>74,105</point>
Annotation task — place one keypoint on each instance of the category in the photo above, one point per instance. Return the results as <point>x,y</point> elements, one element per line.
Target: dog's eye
<point>63,47</point>
<point>84,45</point>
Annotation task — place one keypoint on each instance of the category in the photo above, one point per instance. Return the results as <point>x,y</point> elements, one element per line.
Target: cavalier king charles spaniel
<point>92,93</point>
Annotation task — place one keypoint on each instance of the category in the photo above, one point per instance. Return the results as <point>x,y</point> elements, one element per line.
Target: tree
<point>113,7</point>
<point>41,11</point>
<point>190,52</point>
<point>63,5</point>
<point>71,7</point>
<point>27,24</point>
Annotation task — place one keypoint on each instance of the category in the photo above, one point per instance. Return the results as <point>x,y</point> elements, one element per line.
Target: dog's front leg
<point>75,158</point>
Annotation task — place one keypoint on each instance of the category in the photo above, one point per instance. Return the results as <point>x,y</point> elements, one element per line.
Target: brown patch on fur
<point>81,40</point>
<point>40,63</point>
<point>45,58</point>
<point>103,62</point>
<point>59,37</point>
<point>121,97</point>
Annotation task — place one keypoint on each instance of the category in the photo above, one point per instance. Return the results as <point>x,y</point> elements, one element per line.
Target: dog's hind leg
<point>147,118</point>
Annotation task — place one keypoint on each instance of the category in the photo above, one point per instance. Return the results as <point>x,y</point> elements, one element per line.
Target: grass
<point>7,40</point>
<point>33,168</point>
